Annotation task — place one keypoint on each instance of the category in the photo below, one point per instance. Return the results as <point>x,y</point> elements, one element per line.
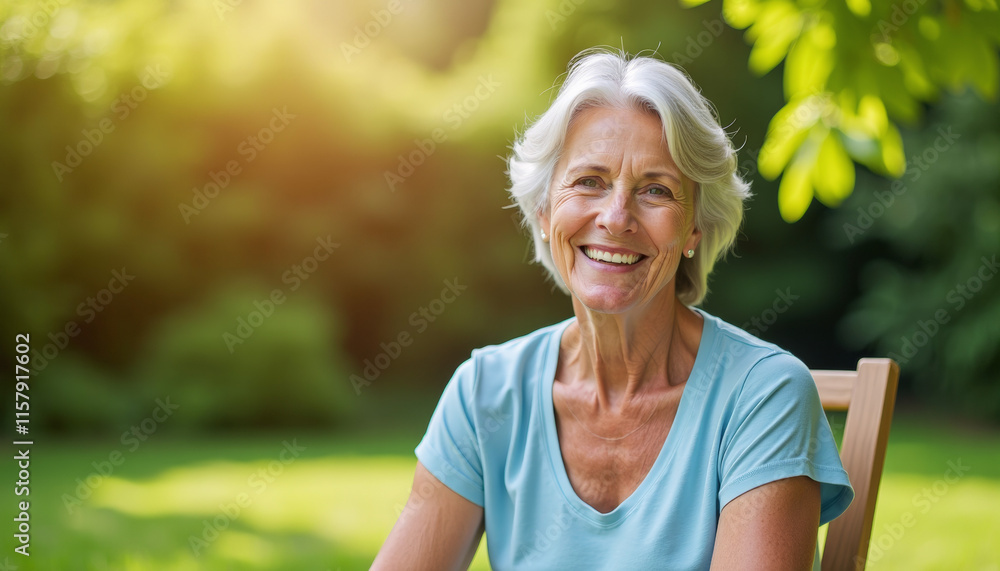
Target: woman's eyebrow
<point>589,168</point>
<point>601,169</point>
<point>661,174</point>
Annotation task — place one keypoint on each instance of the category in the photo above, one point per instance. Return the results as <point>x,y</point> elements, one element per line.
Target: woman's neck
<point>627,356</point>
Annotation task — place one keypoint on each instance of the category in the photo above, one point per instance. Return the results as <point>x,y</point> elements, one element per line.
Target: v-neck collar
<point>692,388</point>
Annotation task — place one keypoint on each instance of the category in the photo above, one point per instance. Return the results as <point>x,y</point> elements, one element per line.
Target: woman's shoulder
<point>534,345</point>
<point>513,363</point>
<point>747,357</point>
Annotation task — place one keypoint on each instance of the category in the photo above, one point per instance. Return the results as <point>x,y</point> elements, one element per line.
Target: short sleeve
<point>450,448</point>
<point>778,430</point>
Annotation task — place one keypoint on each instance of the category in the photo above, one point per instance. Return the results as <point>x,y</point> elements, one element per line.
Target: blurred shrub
<point>75,394</point>
<point>288,372</point>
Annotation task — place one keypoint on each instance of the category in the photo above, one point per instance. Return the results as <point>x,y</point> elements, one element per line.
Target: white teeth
<point>603,256</point>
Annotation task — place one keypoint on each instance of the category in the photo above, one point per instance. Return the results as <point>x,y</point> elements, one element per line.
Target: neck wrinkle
<point>648,347</point>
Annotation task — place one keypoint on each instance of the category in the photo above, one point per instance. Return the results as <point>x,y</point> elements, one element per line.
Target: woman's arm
<point>770,527</point>
<point>438,529</point>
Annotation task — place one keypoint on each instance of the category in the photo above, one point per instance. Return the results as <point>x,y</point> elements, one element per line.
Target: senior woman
<point>642,433</point>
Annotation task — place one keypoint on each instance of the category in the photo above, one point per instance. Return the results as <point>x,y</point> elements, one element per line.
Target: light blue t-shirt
<point>749,414</point>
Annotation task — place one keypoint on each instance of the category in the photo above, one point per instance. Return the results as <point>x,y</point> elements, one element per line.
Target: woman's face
<point>616,193</point>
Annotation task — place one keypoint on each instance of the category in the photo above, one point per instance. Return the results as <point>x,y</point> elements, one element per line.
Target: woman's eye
<point>588,182</point>
<point>659,191</point>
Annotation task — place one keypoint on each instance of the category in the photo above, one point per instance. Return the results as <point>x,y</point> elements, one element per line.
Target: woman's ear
<point>695,237</point>
<point>693,240</point>
<point>543,224</point>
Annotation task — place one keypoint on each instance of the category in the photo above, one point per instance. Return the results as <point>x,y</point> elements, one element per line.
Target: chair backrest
<point>868,395</point>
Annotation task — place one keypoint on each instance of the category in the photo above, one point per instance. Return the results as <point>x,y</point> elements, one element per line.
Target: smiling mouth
<point>610,258</point>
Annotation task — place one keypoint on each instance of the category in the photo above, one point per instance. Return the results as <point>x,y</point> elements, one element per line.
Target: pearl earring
<point>545,237</point>
<point>690,253</point>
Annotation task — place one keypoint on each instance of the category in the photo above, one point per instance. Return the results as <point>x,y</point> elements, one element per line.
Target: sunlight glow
<point>326,497</point>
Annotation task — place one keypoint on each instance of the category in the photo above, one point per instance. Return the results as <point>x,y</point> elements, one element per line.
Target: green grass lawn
<point>172,505</point>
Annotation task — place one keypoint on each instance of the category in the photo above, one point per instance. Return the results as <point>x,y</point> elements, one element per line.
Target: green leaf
<point>871,111</point>
<point>740,13</point>
<point>865,120</point>
<point>785,134</point>
<point>892,152</point>
<point>915,78</point>
<point>833,172</point>
<point>778,25</point>
<point>860,8</point>
<point>795,192</point>
<point>988,24</point>
<point>863,149</point>
<point>897,100</point>
<point>983,69</point>
<point>979,5</point>
<point>810,61</point>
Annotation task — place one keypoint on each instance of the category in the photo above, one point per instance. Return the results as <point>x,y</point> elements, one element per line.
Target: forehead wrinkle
<point>596,144</point>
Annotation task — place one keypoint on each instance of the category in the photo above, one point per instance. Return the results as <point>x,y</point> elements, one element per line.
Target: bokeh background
<point>250,241</point>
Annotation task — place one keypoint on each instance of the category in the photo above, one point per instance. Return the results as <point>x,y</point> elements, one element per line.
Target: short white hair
<point>698,145</point>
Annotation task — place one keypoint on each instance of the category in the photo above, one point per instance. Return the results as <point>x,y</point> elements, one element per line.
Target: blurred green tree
<point>67,67</point>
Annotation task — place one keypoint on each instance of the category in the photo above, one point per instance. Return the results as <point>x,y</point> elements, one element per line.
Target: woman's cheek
<point>563,254</point>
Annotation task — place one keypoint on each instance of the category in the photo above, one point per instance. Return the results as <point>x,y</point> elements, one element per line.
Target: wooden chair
<point>868,395</point>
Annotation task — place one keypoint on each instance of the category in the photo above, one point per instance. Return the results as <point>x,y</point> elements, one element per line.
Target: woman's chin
<point>606,299</point>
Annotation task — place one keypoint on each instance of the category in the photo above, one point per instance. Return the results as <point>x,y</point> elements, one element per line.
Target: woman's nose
<point>615,215</point>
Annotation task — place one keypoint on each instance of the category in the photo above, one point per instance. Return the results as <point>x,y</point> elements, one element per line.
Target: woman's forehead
<point>606,132</point>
